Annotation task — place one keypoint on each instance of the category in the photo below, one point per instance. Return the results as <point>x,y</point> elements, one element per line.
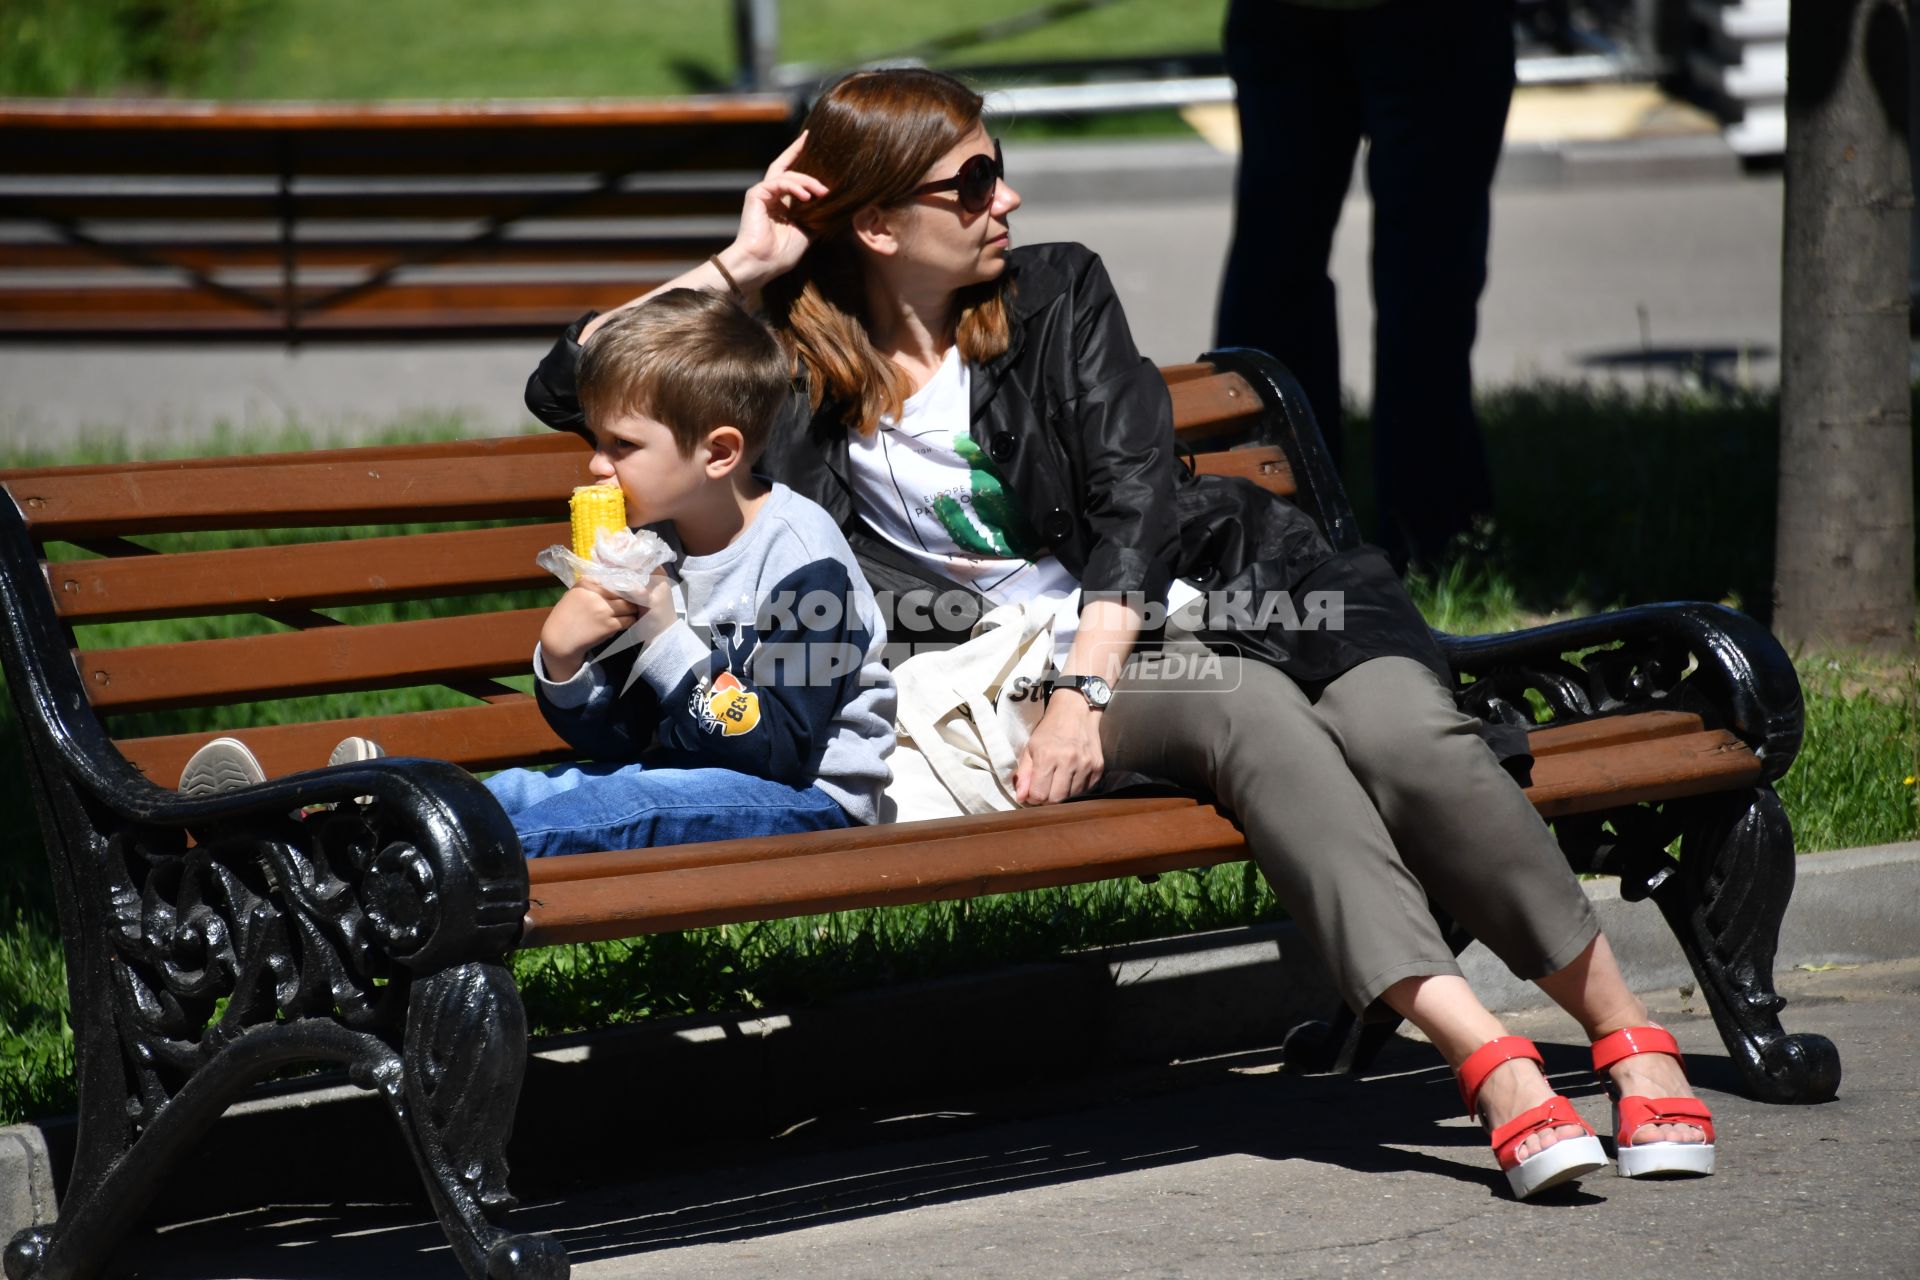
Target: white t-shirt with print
<point>922,483</point>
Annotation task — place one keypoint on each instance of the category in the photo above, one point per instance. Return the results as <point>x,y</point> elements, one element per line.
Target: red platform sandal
<point>1566,1159</point>
<point>1644,1159</point>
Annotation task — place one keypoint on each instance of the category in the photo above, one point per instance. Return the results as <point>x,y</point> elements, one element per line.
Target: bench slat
<point>717,853</point>
<point>241,324</point>
<point>79,117</point>
<point>1641,772</point>
<point>308,575</point>
<point>367,251</point>
<point>716,198</point>
<point>442,451</point>
<point>306,495</point>
<point>29,310</point>
<point>1185,372</point>
<point>495,736</point>
<point>1265,465</point>
<point>1611,731</point>
<point>1207,407</point>
<point>391,484</point>
<point>816,873</point>
<point>1555,740</point>
<point>170,138</point>
<point>294,664</point>
<point>959,867</point>
<point>446,452</point>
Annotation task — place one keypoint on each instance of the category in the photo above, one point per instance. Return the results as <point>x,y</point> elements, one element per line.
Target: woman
<point>978,415</point>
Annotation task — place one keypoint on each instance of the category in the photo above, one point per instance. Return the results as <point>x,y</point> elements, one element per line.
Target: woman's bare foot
<point>1516,1086</point>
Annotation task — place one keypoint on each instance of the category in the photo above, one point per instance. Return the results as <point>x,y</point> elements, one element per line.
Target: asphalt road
<point>1571,273</point>
<point>1215,1169</point>
<point>1585,280</point>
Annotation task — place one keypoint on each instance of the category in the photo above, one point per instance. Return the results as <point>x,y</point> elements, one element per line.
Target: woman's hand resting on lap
<point>1062,759</point>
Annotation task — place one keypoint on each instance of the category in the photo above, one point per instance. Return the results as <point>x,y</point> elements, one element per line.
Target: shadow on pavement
<point>856,1165</point>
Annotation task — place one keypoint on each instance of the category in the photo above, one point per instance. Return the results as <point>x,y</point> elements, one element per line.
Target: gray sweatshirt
<point>772,670</point>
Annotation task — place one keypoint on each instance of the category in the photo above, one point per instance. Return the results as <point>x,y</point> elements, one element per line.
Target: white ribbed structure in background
<point>1739,56</point>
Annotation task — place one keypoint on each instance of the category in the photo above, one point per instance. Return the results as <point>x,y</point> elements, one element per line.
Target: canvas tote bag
<point>966,712</point>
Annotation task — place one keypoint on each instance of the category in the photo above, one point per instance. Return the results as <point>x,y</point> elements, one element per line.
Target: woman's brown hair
<point>871,138</point>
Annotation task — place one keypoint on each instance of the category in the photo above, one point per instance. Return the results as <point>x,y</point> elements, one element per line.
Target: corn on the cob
<point>594,507</point>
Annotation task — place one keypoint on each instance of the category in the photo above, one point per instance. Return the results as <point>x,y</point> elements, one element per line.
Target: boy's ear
<point>726,452</point>
<point>874,231</point>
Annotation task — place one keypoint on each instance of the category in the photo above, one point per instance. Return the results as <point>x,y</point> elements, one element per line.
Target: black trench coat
<point>1080,427</point>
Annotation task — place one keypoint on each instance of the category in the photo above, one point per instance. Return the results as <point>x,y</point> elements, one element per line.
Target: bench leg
<point>1343,1044</point>
<point>1724,903</point>
<point>1340,1045</point>
<point>117,1172</point>
<point>464,1056</point>
<point>453,1089</point>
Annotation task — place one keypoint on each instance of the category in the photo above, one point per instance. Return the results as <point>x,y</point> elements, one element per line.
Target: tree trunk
<point>1844,567</point>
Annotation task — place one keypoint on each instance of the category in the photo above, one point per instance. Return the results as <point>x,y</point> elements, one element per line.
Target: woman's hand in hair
<point>766,247</point>
<point>769,244</point>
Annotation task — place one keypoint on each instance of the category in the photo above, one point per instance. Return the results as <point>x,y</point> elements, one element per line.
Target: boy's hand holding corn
<point>589,614</point>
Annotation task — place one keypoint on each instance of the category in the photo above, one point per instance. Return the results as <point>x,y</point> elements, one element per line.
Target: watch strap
<point>1079,684</point>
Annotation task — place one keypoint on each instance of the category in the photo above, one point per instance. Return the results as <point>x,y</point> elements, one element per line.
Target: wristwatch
<point>1096,691</point>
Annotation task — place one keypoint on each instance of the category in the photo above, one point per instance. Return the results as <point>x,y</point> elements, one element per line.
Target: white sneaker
<point>352,750</point>
<point>355,749</point>
<point>222,765</point>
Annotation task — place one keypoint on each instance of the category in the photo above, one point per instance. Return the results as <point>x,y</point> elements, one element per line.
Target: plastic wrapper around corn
<point>623,561</point>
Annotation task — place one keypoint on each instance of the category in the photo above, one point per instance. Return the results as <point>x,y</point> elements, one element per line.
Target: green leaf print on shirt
<point>996,525</point>
<point>965,534</point>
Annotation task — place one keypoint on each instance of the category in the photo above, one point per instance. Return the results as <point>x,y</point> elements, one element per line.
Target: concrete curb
<point>1120,173</point>
<point>656,1091</point>
<point>1850,906</point>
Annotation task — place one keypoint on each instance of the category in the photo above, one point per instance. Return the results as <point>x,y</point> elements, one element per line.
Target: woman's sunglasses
<point>974,183</point>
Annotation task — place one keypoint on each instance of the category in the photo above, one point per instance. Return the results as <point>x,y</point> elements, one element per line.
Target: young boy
<point>746,696</point>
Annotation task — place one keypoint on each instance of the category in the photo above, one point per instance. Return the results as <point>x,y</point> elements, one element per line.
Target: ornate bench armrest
<point>432,859</point>
<point>1682,656</point>
<point>433,862</point>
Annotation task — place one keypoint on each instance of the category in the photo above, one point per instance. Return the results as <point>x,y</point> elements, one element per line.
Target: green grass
<point>371,50</point>
<point>52,48</point>
<point>1613,497</point>
<point>1854,780</point>
<point>1605,499</point>
<point>364,50</point>
<point>36,1045</point>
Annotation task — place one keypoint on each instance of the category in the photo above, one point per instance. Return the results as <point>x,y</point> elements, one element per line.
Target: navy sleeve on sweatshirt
<point>590,713</point>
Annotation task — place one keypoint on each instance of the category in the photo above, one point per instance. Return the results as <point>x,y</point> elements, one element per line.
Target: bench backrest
<point>329,535</point>
<point>308,220</point>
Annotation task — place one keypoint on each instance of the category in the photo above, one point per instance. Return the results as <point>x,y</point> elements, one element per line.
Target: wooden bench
<point>210,942</point>
<point>301,220</point>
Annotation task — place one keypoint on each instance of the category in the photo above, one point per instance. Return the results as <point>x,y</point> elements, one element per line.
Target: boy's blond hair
<point>691,361</point>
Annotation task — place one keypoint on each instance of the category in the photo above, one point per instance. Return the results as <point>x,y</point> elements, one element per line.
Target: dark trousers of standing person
<point>1428,85</point>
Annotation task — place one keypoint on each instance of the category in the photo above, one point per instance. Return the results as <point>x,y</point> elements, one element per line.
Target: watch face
<point>1099,692</point>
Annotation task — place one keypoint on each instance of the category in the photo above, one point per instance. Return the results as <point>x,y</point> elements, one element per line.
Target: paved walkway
<point>1214,1169</point>
<point>1588,278</point>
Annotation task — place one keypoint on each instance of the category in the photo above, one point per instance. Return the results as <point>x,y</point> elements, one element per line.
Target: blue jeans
<point>574,808</point>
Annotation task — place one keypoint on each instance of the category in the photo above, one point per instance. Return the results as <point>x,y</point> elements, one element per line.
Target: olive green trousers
<point>1358,805</point>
